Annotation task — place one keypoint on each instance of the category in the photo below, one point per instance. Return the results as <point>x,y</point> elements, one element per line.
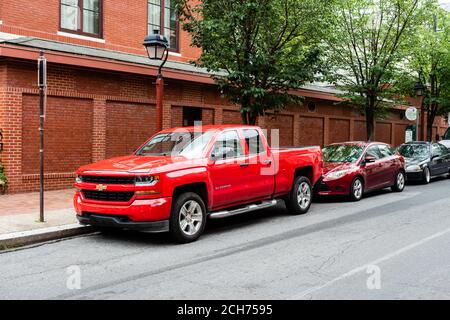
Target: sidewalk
<point>19,216</point>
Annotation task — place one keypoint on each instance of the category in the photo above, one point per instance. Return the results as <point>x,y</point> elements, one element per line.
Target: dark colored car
<point>424,160</point>
<point>353,168</point>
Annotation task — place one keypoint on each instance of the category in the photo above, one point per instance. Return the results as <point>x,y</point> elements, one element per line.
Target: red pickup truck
<point>182,176</point>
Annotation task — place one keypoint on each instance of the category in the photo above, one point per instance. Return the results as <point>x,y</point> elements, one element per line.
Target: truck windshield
<point>342,153</point>
<point>186,144</point>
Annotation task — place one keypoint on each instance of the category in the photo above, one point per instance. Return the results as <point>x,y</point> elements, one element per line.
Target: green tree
<point>369,41</point>
<point>258,49</point>
<point>429,63</point>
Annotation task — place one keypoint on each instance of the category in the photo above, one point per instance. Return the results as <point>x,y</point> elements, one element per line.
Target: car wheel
<point>188,218</point>
<point>357,189</point>
<point>300,197</point>
<point>426,175</point>
<point>399,182</point>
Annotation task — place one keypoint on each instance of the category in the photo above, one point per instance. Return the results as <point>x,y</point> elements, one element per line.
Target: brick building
<point>101,94</point>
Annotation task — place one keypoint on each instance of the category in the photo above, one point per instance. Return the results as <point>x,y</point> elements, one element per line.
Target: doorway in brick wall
<point>191,115</point>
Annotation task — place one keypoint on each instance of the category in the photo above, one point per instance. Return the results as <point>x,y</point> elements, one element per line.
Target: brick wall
<point>68,134</point>
<point>128,125</point>
<point>124,25</point>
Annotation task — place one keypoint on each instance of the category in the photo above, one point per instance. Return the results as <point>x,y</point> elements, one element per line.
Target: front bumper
<point>332,187</point>
<point>150,214</point>
<point>98,220</point>
<point>414,175</point>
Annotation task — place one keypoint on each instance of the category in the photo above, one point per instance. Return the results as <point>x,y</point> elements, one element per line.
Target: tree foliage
<point>259,49</point>
<point>429,63</point>
<point>365,51</point>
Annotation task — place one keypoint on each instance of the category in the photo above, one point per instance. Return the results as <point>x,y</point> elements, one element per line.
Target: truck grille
<point>108,195</point>
<point>108,180</point>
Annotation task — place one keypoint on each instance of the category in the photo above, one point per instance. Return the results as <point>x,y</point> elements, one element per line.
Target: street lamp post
<point>419,89</point>
<point>157,48</point>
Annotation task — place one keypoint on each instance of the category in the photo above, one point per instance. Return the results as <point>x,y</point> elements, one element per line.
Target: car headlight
<point>336,175</point>
<point>146,181</point>
<point>414,168</point>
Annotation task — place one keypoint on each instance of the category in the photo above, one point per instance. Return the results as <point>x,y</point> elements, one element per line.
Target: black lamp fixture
<point>157,47</point>
<point>419,89</point>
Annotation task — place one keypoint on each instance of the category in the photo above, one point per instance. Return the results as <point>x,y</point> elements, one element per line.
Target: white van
<point>446,138</point>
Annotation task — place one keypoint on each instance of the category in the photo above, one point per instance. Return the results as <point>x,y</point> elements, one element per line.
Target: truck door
<point>227,170</point>
<point>258,174</point>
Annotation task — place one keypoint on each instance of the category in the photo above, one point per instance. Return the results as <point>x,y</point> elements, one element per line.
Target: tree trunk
<point>248,117</point>
<point>431,115</point>
<point>370,118</point>
<point>429,128</point>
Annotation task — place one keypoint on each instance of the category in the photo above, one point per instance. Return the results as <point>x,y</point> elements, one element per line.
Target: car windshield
<point>186,144</point>
<point>415,151</point>
<point>342,153</point>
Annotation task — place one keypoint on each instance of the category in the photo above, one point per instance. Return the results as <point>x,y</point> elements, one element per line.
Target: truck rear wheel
<point>299,199</point>
<point>188,217</point>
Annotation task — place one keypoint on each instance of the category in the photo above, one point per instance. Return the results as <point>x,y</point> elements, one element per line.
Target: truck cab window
<point>227,146</point>
<point>254,142</point>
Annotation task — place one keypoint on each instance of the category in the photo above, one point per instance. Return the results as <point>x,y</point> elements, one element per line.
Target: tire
<point>426,178</point>
<point>299,199</point>
<point>357,189</point>
<point>188,218</point>
<point>399,184</point>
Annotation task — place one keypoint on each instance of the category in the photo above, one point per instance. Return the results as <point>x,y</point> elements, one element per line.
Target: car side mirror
<point>369,159</point>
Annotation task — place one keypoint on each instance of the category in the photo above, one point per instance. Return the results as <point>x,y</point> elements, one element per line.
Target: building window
<point>312,106</point>
<point>162,19</point>
<point>191,116</point>
<point>82,16</point>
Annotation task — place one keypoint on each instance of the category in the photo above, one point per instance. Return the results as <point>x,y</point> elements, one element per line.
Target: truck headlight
<point>336,175</point>
<point>78,179</point>
<point>146,181</point>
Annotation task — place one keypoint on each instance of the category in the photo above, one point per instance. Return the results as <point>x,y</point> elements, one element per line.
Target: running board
<point>249,208</point>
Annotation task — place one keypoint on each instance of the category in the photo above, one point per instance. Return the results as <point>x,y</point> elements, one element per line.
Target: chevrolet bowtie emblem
<point>101,187</point>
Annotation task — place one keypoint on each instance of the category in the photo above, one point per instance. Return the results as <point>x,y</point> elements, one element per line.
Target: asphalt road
<point>388,246</point>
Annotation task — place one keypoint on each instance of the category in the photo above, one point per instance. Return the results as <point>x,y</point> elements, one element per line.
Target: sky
<point>445,4</point>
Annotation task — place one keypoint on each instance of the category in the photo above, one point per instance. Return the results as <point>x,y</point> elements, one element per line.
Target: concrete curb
<point>23,238</point>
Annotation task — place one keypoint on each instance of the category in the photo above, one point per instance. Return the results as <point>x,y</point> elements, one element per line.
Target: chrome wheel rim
<point>427,175</point>
<point>191,217</point>
<point>400,181</point>
<point>357,189</point>
<point>304,195</point>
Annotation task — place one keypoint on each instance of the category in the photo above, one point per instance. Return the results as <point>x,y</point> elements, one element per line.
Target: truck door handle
<point>244,165</point>
<point>267,162</point>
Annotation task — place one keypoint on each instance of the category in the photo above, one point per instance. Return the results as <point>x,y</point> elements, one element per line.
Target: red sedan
<point>353,168</point>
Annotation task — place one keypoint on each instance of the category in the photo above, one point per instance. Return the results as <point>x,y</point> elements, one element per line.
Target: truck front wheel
<point>188,217</point>
<point>299,199</point>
